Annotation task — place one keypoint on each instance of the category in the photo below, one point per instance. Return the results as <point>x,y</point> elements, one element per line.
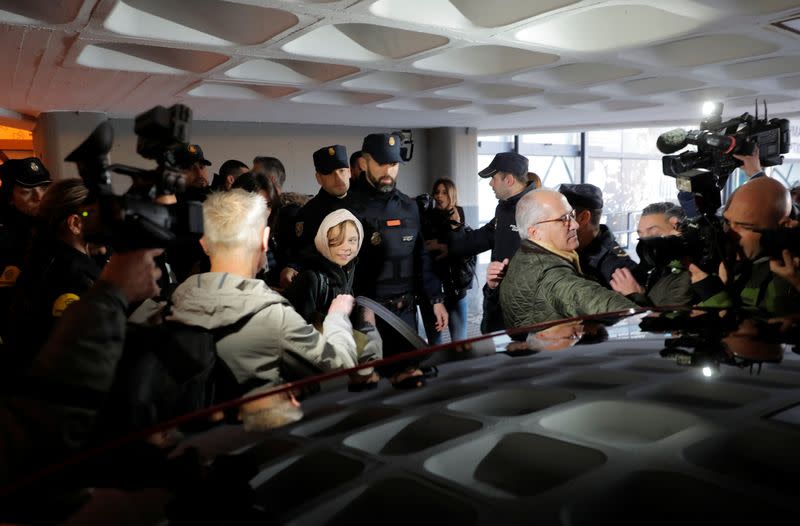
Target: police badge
<point>375,239</point>
<point>298,229</point>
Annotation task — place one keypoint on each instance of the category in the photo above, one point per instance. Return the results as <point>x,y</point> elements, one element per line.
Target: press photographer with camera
<point>667,283</point>
<point>757,278</point>
<point>730,256</point>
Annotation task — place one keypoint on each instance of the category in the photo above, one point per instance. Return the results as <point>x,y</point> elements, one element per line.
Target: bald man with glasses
<point>544,281</point>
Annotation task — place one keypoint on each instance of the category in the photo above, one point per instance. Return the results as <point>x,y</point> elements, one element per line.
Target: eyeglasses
<point>566,219</point>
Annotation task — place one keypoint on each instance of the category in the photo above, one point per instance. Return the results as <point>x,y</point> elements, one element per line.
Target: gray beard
<point>383,188</point>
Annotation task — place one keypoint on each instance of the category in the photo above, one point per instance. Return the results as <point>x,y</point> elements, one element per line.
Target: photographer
<point>666,284</point>
<point>754,281</point>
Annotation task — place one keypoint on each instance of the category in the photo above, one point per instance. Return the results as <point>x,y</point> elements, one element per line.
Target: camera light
<point>711,109</point>
<point>708,372</point>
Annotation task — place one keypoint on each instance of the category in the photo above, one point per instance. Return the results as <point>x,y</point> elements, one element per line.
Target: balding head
<point>760,204</point>
<point>538,214</point>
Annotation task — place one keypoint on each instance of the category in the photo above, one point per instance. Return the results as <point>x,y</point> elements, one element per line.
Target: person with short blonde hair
<point>263,335</point>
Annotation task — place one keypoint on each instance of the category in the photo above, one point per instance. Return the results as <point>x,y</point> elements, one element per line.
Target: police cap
<point>330,158</point>
<point>583,196</point>
<point>508,162</point>
<point>383,147</point>
<point>188,154</point>
<point>28,172</point>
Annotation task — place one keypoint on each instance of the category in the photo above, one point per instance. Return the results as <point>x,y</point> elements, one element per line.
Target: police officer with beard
<point>394,266</point>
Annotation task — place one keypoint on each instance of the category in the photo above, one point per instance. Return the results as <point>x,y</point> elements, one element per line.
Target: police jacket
<point>600,258</point>
<point>56,276</point>
<point>500,235</point>
<point>282,234</point>
<point>16,232</point>
<point>318,283</point>
<point>308,219</point>
<point>393,260</point>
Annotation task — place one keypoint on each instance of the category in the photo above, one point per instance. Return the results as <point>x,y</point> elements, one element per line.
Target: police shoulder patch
<point>62,302</point>
<point>9,276</point>
<point>619,251</point>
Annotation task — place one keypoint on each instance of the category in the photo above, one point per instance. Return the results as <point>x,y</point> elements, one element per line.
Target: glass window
<point>551,138</point>
<point>554,170</point>
<point>604,142</point>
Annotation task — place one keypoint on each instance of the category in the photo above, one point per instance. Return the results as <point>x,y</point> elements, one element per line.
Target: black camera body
<point>705,171</point>
<point>134,221</point>
<point>702,240</point>
<point>406,144</point>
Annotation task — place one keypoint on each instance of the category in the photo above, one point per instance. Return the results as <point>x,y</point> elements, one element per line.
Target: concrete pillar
<point>453,153</point>
<point>57,133</point>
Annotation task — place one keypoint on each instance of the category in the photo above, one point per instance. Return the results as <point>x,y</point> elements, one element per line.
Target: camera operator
<point>755,281</point>
<point>667,284</point>
<point>190,160</point>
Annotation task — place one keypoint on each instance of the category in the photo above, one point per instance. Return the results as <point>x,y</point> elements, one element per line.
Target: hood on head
<point>331,220</point>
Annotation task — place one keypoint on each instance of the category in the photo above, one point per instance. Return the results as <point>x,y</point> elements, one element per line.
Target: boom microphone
<point>672,141</point>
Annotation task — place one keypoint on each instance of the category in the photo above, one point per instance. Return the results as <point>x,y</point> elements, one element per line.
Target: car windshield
<point>564,419</point>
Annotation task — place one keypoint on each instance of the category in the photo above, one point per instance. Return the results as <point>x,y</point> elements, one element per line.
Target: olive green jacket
<point>541,286</point>
<point>759,290</point>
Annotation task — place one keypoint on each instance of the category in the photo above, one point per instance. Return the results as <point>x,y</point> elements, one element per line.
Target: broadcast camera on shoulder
<point>135,220</point>
<point>703,173</point>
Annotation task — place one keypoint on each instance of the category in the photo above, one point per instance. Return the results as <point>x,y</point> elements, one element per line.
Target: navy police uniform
<point>326,160</point>
<point>16,229</point>
<point>394,266</point>
<point>56,276</point>
<point>500,235</point>
<point>603,255</point>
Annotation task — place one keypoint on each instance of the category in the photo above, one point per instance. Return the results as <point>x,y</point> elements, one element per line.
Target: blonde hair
<point>336,233</point>
<point>234,220</point>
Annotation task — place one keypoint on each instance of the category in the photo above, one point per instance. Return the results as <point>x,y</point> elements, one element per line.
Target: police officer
<point>394,266</point>
<point>22,184</point>
<point>333,175</point>
<point>508,178</point>
<point>59,270</point>
<point>194,165</point>
<point>600,254</point>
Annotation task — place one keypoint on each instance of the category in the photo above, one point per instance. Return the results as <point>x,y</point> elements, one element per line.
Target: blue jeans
<point>457,313</point>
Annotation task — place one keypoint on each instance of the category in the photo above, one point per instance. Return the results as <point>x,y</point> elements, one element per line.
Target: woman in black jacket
<point>456,273</point>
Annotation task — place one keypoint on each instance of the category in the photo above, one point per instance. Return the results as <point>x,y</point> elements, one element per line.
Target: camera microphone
<point>672,141</point>
<point>677,139</point>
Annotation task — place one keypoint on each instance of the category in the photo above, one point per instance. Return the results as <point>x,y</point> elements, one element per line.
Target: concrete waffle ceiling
<point>502,65</point>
